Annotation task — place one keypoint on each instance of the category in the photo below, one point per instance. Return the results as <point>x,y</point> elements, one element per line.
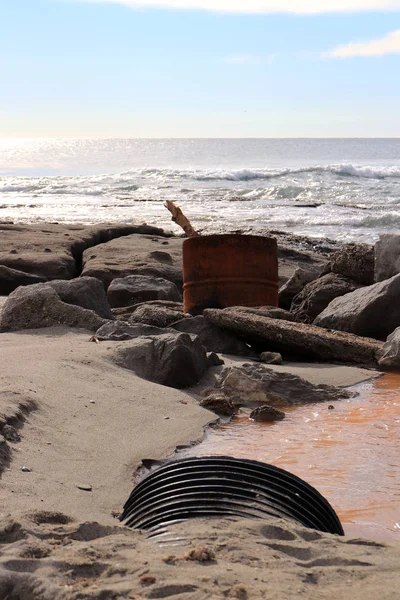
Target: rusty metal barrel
<point>229,270</point>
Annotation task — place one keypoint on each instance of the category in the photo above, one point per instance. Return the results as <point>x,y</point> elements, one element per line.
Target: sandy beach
<point>88,422</point>
<point>81,427</point>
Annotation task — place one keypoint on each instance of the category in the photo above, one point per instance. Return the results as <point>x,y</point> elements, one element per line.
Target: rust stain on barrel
<point>229,270</point>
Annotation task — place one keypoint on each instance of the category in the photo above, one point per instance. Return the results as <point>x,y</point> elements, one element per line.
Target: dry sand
<point>87,421</point>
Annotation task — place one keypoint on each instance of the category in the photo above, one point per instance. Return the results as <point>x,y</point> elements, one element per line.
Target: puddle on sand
<point>350,454</point>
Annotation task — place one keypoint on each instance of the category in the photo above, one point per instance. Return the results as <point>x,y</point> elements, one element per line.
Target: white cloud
<point>389,44</point>
<point>265,6</point>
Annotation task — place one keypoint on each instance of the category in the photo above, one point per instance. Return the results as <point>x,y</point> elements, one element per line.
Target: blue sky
<point>178,68</point>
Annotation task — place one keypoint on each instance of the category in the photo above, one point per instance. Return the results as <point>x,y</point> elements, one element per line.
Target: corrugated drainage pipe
<point>218,486</point>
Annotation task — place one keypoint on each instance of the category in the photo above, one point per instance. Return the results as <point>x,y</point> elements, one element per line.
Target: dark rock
<point>316,296</point>
<point>124,313</point>
<point>389,357</point>
<point>354,261</point>
<point>297,340</point>
<point>253,384</point>
<point>372,311</point>
<point>173,359</point>
<point>37,306</point>
<point>213,338</point>
<point>160,316</point>
<point>271,358</point>
<point>10,279</point>
<point>266,414</point>
<point>387,256</point>
<point>118,331</point>
<point>295,284</point>
<point>219,404</point>
<point>213,360</point>
<point>86,292</point>
<point>139,288</point>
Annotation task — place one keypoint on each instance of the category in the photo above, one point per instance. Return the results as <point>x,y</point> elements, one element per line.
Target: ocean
<point>343,189</point>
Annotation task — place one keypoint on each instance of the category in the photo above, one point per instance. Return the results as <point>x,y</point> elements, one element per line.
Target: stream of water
<point>350,454</point>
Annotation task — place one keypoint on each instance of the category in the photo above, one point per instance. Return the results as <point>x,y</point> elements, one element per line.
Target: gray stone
<point>124,313</point>
<point>10,279</point>
<point>266,414</point>
<point>316,296</point>
<point>87,292</point>
<point>139,288</point>
<point>354,261</point>
<point>297,340</point>
<point>154,255</point>
<point>372,311</point>
<point>159,316</point>
<point>255,384</point>
<point>271,358</point>
<point>173,359</point>
<point>219,404</point>
<point>387,256</point>
<point>389,357</point>
<point>213,338</point>
<point>37,306</point>
<point>295,284</point>
<point>54,251</point>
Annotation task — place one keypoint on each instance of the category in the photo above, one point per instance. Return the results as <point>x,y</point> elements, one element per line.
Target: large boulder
<point>296,340</point>
<point>173,359</point>
<point>154,255</point>
<point>87,292</point>
<point>387,256</point>
<point>213,338</point>
<point>37,306</point>
<point>255,384</point>
<point>389,357</point>
<point>160,316</point>
<point>54,251</point>
<point>372,311</point>
<point>354,261</point>
<point>139,288</point>
<point>297,281</point>
<point>10,279</point>
<point>316,296</point>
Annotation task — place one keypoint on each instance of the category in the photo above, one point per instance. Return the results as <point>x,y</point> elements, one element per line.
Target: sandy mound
<point>44,556</point>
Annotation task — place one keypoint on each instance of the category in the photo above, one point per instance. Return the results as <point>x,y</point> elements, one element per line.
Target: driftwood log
<point>179,218</point>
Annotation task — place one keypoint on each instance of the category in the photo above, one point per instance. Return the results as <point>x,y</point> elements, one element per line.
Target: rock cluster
<point>129,291</point>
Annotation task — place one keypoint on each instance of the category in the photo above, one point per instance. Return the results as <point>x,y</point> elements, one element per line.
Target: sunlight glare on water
<point>350,454</point>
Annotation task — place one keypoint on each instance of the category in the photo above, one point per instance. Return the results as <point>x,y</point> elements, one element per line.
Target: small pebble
<point>26,470</point>
<point>92,402</point>
<point>331,407</point>
<point>84,487</point>
<point>166,417</point>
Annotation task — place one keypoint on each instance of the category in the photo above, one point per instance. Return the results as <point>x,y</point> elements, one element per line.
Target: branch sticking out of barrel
<point>179,218</point>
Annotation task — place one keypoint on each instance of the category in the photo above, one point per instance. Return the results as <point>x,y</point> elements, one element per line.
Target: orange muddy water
<point>350,454</point>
